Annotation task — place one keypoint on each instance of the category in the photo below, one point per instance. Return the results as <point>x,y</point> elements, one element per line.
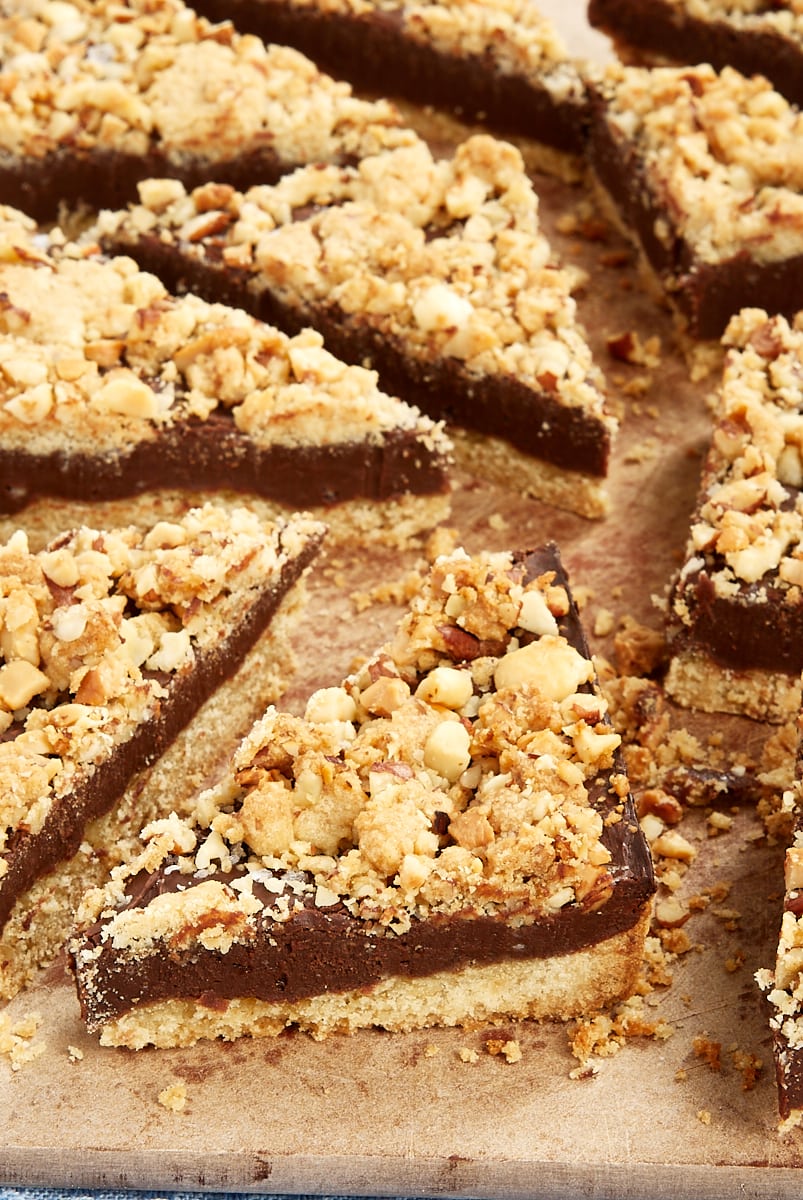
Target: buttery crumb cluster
<point>783,16</point>
<point>92,630</point>
<point>749,521</point>
<point>467,767</point>
<point>722,153</point>
<point>445,255</point>
<point>137,76</point>
<point>94,355</point>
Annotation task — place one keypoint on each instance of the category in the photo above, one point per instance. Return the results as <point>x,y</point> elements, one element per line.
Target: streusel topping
<point>95,355</point>
<point>723,154</point>
<point>137,76</point>
<point>469,766</point>
<point>781,16</point>
<point>748,528</point>
<point>446,255</point>
<point>93,629</point>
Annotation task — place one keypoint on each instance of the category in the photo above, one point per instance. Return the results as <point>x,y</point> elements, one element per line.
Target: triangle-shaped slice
<point>436,271</point>
<point>446,838</point>
<point>122,403</point>
<point>120,646</point>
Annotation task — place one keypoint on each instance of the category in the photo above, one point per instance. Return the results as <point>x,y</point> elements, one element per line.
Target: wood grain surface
<point>397,1115</point>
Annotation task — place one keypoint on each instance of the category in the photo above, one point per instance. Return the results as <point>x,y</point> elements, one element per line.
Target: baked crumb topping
<point>96,356</point>
<point>93,629</point>
<point>468,767</point>
<point>781,16</point>
<point>748,528</point>
<point>446,255</point>
<point>133,77</point>
<point>721,153</point>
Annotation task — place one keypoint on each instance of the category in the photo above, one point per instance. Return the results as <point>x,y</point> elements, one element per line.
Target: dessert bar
<point>433,270</point>
<point>120,646</point>
<point>446,838</point>
<point>757,37</point>
<point>783,984</point>
<point>736,607</point>
<point>498,63</point>
<point>704,171</point>
<point>123,403</point>
<point>95,96</point>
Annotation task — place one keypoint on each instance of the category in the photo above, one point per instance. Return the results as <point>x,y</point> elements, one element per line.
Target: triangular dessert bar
<point>123,403</point>
<point>435,271</point>
<point>112,643</point>
<point>447,838</point>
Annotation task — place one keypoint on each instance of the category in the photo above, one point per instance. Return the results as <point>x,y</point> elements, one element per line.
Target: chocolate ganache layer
<point>535,421</point>
<point>212,454</point>
<point>96,791</point>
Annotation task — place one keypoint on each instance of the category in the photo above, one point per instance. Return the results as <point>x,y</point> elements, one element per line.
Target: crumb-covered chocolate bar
<point>112,643</point>
<point>736,607</point>
<point>435,271</point>
<point>95,96</point>
<point>704,170</point>
<point>499,63</point>
<point>783,983</point>
<point>448,837</point>
<point>116,394</point>
<point>757,37</point>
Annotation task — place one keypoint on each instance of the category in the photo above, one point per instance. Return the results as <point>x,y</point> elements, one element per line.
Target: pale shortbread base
<point>560,987</point>
<point>496,461</point>
<point>695,680</point>
<point>42,917</point>
<point>389,522</point>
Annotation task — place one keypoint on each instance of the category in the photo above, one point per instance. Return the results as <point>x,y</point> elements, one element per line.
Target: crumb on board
<point>430,1050</point>
<point>709,1050</point>
<point>605,1034</point>
<point>704,1116</point>
<point>509,1049</point>
<point>75,1053</point>
<point>17,1039</point>
<point>174,1097</point>
<point>467,1055</point>
<point>604,623</point>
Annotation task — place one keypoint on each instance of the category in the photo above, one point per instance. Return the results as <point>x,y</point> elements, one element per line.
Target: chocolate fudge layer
<point>445,838</point>
<point>704,171</point>
<point>113,389</point>
<point>757,37</point>
<point>736,608</point>
<point>112,642</point>
<point>97,96</point>
<point>435,271</point>
<point>498,64</point>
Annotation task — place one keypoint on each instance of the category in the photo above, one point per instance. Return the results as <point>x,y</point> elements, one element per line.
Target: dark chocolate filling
<point>757,629</point>
<point>330,950</point>
<point>373,52</point>
<point>665,30</point>
<point>214,455</point>
<point>705,294</point>
<point>533,421</point>
<point>30,856</point>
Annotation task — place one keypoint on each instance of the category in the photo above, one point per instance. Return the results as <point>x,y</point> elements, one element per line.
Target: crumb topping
<point>748,528</point>
<point>721,153</point>
<point>466,767</point>
<point>93,629</point>
<point>445,255</point>
<point>137,77</point>
<point>96,356</point>
<point>780,16</point>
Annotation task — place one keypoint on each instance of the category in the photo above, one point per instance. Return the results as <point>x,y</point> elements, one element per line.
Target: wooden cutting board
<point>416,1114</point>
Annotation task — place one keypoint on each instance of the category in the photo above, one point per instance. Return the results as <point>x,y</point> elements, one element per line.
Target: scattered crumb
<point>638,650</point>
<point>709,1051</point>
<point>467,1055</point>
<point>704,1116</point>
<point>605,1034</point>
<point>628,347</point>
<point>430,1050</point>
<point>74,1053</point>
<point>17,1039</point>
<point>510,1050</point>
<point>174,1097</point>
<point>750,1066</point>
<point>603,623</point>
<point>497,521</point>
<point>681,1075</point>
